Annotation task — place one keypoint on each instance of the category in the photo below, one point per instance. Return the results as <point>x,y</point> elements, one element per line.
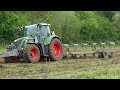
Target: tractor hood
<point>20,41</point>
<point>17,41</point>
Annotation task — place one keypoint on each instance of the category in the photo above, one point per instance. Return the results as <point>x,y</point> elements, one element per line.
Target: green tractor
<point>35,41</point>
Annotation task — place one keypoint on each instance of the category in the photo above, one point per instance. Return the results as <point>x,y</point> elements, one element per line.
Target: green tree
<point>9,21</point>
<point>66,25</point>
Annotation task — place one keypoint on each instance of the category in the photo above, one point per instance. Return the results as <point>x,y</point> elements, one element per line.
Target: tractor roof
<point>39,24</point>
<point>44,24</point>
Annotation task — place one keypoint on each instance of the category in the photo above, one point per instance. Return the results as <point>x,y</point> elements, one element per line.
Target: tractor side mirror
<point>20,29</point>
<point>18,36</point>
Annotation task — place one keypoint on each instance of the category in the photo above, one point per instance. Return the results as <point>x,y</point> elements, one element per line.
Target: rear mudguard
<point>49,39</point>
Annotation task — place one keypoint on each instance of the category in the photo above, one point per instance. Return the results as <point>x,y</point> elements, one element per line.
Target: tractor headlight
<point>29,40</point>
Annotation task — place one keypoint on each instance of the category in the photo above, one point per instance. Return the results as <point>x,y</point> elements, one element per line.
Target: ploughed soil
<point>115,54</point>
<point>1,60</point>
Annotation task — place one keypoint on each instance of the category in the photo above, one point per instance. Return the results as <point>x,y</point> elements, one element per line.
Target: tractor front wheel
<point>56,49</point>
<point>31,53</point>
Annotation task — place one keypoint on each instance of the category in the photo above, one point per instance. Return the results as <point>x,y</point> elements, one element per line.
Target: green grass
<point>2,47</point>
<point>65,69</point>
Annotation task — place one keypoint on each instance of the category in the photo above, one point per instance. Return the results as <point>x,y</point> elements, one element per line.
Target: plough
<point>83,50</point>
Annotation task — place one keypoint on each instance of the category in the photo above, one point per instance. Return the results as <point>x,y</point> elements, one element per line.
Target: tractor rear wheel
<point>31,53</point>
<point>56,49</point>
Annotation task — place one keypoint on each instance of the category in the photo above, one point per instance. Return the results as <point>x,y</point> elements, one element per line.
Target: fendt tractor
<point>34,42</point>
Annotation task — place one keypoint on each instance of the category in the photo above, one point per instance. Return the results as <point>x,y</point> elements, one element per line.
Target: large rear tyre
<point>56,50</point>
<point>31,53</point>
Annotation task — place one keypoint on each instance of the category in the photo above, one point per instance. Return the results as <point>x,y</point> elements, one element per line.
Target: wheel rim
<point>33,54</point>
<point>57,50</point>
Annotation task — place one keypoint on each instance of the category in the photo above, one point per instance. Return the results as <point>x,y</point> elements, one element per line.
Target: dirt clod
<point>1,60</point>
<point>116,53</point>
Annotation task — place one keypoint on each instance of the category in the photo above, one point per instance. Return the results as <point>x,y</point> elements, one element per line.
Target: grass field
<point>2,47</point>
<point>65,69</point>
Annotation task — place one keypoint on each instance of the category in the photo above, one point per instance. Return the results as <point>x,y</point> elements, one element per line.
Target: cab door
<point>42,33</point>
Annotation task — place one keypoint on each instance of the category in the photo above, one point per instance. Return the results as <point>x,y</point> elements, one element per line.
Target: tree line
<point>71,26</point>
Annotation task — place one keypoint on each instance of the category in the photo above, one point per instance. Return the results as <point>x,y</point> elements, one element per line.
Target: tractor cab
<point>39,31</point>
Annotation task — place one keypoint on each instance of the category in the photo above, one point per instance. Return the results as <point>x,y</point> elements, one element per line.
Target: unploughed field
<point>90,68</point>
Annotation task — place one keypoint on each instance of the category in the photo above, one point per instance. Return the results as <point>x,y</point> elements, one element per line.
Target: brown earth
<point>116,53</point>
<point>1,60</point>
